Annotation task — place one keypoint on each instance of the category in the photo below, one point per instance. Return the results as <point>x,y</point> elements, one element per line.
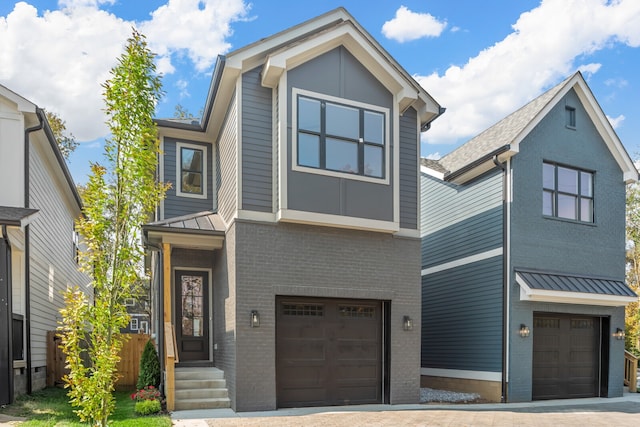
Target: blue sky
<point>480,60</point>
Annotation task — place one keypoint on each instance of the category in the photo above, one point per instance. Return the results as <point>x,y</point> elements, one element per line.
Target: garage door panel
<point>328,352</point>
<point>356,350</point>
<point>303,349</point>
<point>565,356</point>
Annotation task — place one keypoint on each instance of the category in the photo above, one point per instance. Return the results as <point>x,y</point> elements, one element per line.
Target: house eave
<point>194,239</point>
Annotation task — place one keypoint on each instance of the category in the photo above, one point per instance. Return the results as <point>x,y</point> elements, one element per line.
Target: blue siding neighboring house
<point>523,240</point>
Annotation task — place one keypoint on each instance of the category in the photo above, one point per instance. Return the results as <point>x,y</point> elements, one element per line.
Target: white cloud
<point>198,27</point>
<point>408,25</point>
<point>616,121</point>
<point>616,82</point>
<point>58,59</point>
<point>544,47</point>
<point>434,156</point>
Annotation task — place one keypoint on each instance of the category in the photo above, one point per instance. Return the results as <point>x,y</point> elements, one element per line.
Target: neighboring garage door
<point>566,356</point>
<point>329,352</point>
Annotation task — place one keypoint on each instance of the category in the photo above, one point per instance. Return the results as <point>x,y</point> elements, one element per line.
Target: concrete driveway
<point>557,413</point>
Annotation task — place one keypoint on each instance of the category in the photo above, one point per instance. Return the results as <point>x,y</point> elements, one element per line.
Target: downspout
<point>157,307</point>
<point>505,282</point>
<point>27,252</point>
<point>7,263</point>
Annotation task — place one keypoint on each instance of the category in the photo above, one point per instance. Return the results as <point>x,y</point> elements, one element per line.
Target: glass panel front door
<point>192,315</point>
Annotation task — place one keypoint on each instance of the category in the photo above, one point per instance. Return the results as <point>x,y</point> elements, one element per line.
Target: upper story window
<point>567,193</point>
<point>570,116</point>
<point>76,245</point>
<point>191,179</point>
<point>340,136</point>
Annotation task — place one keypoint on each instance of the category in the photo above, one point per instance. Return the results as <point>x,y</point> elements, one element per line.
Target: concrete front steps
<point>200,388</point>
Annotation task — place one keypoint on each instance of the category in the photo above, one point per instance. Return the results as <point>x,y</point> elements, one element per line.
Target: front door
<point>192,315</point>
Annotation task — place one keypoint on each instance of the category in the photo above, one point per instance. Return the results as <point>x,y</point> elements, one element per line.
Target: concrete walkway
<point>557,413</point>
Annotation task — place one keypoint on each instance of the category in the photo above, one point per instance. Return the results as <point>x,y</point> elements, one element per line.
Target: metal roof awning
<point>571,289</point>
<point>202,230</point>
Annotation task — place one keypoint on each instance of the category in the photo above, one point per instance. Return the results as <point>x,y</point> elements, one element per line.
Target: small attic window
<point>570,114</point>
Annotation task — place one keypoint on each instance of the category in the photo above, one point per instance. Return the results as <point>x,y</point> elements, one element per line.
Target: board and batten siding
<point>409,152</point>
<point>462,302</point>
<point>175,205</point>
<point>52,258</point>
<point>227,163</point>
<point>337,73</point>
<point>460,221</point>
<point>257,144</point>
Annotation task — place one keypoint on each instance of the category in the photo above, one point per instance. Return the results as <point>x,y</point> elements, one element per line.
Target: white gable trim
<point>432,172</point>
<point>589,102</point>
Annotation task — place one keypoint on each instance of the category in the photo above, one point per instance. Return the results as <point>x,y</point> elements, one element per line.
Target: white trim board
<point>462,374</point>
<point>462,261</point>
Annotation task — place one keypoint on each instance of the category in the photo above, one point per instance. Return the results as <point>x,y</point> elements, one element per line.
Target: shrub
<point>147,393</point>
<point>149,367</point>
<point>147,407</point>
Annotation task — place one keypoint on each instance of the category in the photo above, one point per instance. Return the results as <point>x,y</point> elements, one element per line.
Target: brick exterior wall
<point>261,261</point>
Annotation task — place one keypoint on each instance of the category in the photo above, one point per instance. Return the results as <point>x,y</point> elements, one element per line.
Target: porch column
<point>169,334</point>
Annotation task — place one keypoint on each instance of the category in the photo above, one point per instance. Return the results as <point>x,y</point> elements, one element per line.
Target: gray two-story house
<point>286,255</point>
<point>523,255</point>
<point>38,243</point>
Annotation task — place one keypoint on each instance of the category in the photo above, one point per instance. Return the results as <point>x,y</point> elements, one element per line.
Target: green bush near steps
<point>149,367</point>
<point>147,407</point>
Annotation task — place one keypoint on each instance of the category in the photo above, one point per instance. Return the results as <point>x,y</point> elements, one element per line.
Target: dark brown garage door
<point>329,352</point>
<point>566,356</point>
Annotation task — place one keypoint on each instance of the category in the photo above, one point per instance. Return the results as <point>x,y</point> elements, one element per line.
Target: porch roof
<point>555,287</point>
<point>204,230</point>
<point>16,217</point>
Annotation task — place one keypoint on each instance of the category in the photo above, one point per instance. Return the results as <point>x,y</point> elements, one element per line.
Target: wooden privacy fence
<point>128,368</point>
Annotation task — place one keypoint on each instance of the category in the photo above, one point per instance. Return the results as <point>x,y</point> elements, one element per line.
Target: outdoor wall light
<point>407,323</point>
<point>524,330</point>
<point>255,319</point>
<point>619,334</point>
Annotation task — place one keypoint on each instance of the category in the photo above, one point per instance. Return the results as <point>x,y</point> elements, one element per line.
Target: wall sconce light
<point>407,323</point>
<point>255,319</point>
<point>619,334</point>
<point>524,330</point>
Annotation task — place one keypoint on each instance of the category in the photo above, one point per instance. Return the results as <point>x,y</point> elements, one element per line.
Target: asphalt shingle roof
<point>502,133</point>
<point>14,216</point>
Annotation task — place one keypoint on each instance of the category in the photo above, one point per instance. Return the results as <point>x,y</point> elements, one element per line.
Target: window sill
<point>343,175</point>
<point>570,221</point>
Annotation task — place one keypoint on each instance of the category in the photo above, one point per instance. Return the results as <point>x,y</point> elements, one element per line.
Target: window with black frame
<point>191,170</point>
<point>340,137</point>
<point>567,193</point>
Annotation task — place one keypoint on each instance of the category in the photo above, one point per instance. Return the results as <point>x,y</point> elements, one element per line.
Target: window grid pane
<point>373,158</point>
<point>374,127</point>
<point>309,150</point>
<point>342,155</point>
<point>309,114</point>
<point>342,121</point>
<point>567,193</point>
<point>340,138</point>
<point>191,163</point>
<point>567,180</point>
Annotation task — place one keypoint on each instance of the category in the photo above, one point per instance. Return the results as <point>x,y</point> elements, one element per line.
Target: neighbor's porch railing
<point>630,371</point>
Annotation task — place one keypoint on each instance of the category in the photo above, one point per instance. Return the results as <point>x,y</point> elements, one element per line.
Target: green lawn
<point>50,407</point>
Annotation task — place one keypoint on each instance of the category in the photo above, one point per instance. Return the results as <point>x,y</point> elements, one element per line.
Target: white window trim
<point>133,324</point>
<point>295,92</point>
<point>205,178</point>
<point>144,326</point>
<point>129,302</point>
